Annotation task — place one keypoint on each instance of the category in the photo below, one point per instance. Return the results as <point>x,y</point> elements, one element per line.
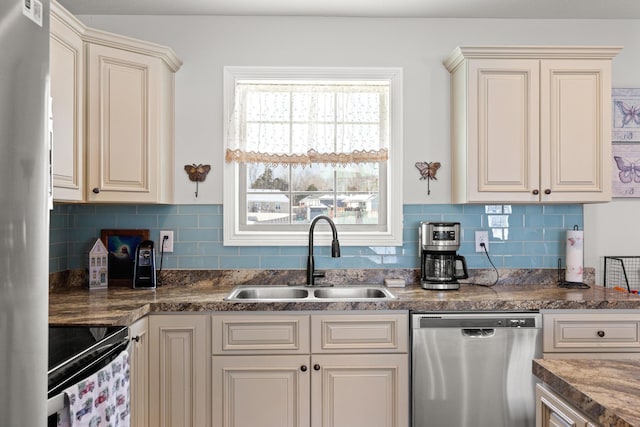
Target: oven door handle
<point>59,401</point>
<point>56,404</point>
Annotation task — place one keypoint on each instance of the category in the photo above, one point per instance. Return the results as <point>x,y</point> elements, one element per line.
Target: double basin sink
<point>247,293</point>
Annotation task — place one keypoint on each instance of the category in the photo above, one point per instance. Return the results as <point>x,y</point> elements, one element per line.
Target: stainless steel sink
<point>353,292</point>
<point>267,293</point>
<point>249,293</point>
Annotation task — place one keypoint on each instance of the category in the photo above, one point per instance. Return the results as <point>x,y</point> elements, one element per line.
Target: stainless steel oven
<point>75,353</point>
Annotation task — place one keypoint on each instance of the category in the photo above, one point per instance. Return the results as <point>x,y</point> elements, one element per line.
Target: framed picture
<point>121,246</point>
<point>626,115</point>
<point>626,169</point>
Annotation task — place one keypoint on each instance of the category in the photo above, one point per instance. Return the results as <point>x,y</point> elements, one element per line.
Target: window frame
<point>391,235</point>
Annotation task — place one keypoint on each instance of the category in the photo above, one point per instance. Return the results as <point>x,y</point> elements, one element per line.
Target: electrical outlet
<point>167,244</point>
<point>482,236</point>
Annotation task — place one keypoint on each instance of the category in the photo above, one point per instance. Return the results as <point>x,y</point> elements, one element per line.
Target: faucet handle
<point>318,274</point>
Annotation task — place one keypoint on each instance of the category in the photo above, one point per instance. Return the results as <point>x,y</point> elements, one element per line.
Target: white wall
<point>206,44</point>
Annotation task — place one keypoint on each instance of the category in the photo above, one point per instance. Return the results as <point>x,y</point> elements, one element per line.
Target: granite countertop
<point>122,306</point>
<point>605,390</point>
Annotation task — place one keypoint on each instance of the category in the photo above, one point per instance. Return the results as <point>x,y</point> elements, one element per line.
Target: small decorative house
<point>98,266</point>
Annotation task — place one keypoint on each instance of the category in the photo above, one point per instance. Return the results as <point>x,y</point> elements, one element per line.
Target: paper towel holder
<point>563,283</point>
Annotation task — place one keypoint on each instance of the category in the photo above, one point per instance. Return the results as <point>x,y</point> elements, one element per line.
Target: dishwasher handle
<point>478,332</point>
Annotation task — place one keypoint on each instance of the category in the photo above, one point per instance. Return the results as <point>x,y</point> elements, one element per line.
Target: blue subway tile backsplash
<point>520,236</point>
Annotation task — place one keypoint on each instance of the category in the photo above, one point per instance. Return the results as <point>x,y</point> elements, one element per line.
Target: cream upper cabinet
<point>531,124</point>
<point>67,89</point>
<point>130,96</point>
<point>113,115</point>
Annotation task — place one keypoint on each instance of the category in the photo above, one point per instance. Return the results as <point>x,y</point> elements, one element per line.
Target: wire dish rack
<point>622,272</point>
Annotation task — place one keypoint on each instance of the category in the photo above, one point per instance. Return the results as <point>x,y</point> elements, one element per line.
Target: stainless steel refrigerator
<point>24,214</point>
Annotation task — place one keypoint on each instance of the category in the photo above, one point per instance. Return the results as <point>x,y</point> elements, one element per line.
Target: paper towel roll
<point>574,256</point>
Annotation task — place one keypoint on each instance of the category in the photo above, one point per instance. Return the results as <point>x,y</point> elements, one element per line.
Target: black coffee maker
<point>144,271</point>
<point>440,266</point>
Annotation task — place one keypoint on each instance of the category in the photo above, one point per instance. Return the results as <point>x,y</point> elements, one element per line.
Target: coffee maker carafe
<point>440,266</point>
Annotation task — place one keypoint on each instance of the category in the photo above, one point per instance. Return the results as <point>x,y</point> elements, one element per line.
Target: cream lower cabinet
<point>531,124</point>
<point>359,390</point>
<point>261,391</point>
<point>601,334</point>
<point>179,370</point>
<point>264,376</point>
<point>139,362</point>
<point>553,411</point>
<point>582,334</point>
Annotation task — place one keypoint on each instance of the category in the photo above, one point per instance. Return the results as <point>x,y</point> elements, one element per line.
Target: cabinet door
<point>360,390</point>
<point>575,130</point>
<point>66,68</point>
<point>261,391</point>
<point>503,130</point>
<point>124,99</point>
<point>179,349</point>
<point>139,335</point>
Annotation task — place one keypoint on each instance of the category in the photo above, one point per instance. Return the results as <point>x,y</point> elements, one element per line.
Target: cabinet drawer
<point>553,411</point>
<point>260,334</point>
<point>591,333</point>
<point>334,333</point>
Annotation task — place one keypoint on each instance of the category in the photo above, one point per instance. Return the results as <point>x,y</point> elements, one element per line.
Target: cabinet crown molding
<point>529,52</point>
<point>105,38</point>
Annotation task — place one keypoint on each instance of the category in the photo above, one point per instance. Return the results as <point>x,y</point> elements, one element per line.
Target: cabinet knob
<point>601,334</point>
<point>316,367</point>
<point>136,338</point>
<point>96,190</point>
<point>547,191</point>
<point>535,192</point>
<point>303,368</point>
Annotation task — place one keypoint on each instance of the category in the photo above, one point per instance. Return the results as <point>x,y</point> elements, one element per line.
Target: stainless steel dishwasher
<point>474,369</point>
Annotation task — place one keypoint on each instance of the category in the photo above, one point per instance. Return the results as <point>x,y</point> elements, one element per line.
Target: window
<point>302,142</point>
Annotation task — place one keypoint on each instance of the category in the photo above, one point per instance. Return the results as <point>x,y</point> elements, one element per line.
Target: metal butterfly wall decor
<point>197,173</point>
<point>428,171</point>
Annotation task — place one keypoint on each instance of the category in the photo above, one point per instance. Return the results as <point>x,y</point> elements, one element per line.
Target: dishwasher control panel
<point>435,320</point>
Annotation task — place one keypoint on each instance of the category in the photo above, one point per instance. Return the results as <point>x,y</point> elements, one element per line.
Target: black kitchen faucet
<point>335,249</point>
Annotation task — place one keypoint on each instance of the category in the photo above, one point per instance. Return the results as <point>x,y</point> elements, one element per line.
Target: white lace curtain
<point>303,123</point>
